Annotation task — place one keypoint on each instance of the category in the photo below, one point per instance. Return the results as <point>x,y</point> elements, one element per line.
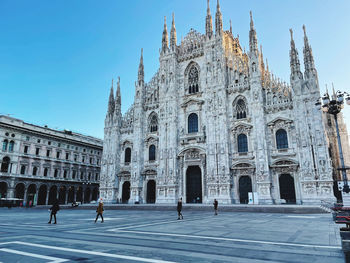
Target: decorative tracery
<point>241,109</point>
<point>193,77</point>
<point>153,122</point>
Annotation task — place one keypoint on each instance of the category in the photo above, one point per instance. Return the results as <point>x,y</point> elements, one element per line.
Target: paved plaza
<point>157,236</point>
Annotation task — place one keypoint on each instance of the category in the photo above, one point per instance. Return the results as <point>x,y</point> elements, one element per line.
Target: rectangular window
<point>83,159</point>
<point>26,149</point>
<point>67,156</point>
<point>75,157</point>
<point>90,160</point>
<point>47,153</point>
<point>57,155</point>
<point>37,151</point>
<point>74,173</point>
<point>98,161</point>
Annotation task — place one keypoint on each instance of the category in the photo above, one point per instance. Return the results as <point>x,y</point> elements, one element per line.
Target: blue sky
<point>57,58</point>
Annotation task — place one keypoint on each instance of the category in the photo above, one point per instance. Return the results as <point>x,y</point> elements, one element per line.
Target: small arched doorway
<point>151,192</point>
<point>52,194</point>
<point>79,197</point>
<point>245,186</point>
<point>62,195</point>
<point>3,189</point>
<point>31,192</point>
<point>287,189</point>
<point>5,164</point>
<point>193,184</point>
<point>95,194</point>
<point>19,191</point>
<point>87,195</point>
<point>126,192</point>
<point>71,194</point>
<point>42,195</point>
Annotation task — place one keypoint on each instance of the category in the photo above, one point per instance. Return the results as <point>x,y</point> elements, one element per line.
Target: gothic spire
<point>173,38</point>
<point>308,57</point>
<point>111,101</point>
<point>230,26</point>
<point>294,59</point>
<point>253,40</point>
<point>218,19</point>
<point>141,74</point>
<point>165,41</point>
<point>208,23</point>
<point>262,58</point>
<point>118,98</point>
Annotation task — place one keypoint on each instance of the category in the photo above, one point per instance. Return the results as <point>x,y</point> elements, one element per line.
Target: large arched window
<point>11,146</point>
<point>281,139</point>
<point>4,145</point>
<point>127,157</point>
<point>193,80</point>
<point>153,123</point>
<point>192,123</point>
<point>35,170</point>
<point>152,153</point>
<point>242,143</point>
<point>241,109</point>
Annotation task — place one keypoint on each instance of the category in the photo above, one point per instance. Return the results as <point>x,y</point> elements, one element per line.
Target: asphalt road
<point>157,236</point>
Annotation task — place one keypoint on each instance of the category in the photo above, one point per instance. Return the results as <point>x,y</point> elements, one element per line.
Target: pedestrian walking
<point>54,209</point>
<point>216,206</point>
<point>179,208</point>
<point>99,210</point>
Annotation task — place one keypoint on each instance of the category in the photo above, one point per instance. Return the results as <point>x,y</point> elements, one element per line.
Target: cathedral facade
<point>214,122</point>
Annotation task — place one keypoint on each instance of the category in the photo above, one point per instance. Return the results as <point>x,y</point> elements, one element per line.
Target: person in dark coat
<point>179,208</point>
<point>216,206</point>
<point>54,209</point>
<point>99,211</point>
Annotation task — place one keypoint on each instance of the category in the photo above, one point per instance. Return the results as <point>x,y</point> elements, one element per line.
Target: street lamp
<point>333,105</point>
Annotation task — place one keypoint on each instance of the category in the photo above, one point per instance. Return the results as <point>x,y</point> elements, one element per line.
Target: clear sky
<point>57,58</point>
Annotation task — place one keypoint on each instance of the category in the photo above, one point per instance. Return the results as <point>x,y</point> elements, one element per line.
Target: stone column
<point>47,196</point>
<point>90,194</point>
<point>83,196</point>
<point>25,194</point>
<point>66,201</point>
<point>75,194</point>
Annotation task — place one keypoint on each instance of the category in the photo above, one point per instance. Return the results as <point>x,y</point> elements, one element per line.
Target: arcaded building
<point>214,122</point>
<point>39,164</point>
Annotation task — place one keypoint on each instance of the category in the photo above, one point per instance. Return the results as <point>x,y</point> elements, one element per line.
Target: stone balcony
<point>243,156</point>
<point>197,137</point>
<point>287,152</point>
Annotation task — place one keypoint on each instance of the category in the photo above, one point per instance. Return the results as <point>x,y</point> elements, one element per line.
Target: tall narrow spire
<point>294,59</point>
<point>309,63</point>
<point>165,41</point>
<point>118,98</point>
<point>262,65</point>
<point>230,26</point>
<point>111,100</point>
<point>253,40</point>
<point>218,20</point>
<point>208,23</point>
<point>173,38</point>
<point>141,74</point>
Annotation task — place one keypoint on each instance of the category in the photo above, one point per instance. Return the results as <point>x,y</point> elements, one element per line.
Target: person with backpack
<point>54,209</point>
<point>99,210</point>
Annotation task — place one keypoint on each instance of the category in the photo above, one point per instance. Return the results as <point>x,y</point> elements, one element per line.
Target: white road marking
<point>151,224</point>
<point>302,216</point>
<point>229,239</point>
<point>53,259</point>
<point>95,253</point>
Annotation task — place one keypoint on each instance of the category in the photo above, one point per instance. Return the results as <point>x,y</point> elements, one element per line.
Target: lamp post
<point>333,105</point>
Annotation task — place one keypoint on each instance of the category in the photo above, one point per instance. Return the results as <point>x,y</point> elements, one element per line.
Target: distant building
<point>40,164</point>
<point>214,122</point>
